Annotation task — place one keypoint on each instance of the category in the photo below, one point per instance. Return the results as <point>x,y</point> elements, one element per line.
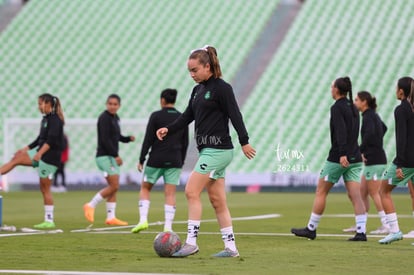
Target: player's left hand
<point>249,151</point>
<point>140,167</point>
<point>131,138</point>
<point>37,157</point>
<point>399,173</point>
<point>363,158</point>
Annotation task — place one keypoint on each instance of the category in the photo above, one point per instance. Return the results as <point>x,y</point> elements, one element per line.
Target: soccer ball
<point>166,244</point>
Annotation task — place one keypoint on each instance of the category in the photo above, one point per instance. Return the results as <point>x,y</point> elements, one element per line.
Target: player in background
<point>344,160</point>
<point>108,160</point>
<point>25,155</point>
<point>373,130</point>
<point>411,190</point>
<point>48,156</point>
<point>166,159</point>
<point>212,103</point>
<point>61,169</point>
<point>401,171</point>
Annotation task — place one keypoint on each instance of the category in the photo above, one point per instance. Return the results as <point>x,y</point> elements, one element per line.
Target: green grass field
<point>260,254</point>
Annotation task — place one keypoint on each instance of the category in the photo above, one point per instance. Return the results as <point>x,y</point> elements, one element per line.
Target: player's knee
<point>114,187</point>
<point>321,193</point>
<point>191,195</point>
<point>354,196</point>
<point>216,201</point>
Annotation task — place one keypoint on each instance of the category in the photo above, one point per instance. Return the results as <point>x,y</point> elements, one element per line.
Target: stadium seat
<point>370,41</point>
<point>84,50</point>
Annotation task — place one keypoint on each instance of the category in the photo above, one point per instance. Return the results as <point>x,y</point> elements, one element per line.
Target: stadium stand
<point>290,104</point>
<point>84,50</point>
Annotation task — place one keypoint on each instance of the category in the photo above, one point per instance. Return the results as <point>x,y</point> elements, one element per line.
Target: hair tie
<point>205,48</point>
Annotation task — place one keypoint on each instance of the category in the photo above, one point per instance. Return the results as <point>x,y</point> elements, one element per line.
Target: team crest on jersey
<point>207,95</point>
<point>45,124</point>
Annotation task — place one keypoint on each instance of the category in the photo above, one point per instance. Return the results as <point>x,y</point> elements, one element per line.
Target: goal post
<point>82,136</point>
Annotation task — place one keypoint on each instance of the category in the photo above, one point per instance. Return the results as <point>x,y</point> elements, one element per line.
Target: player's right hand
<point>399,173</point>
<point>118,160</point>
<point>140,167</point>
<point>344,161</point>
<point>161,133</point>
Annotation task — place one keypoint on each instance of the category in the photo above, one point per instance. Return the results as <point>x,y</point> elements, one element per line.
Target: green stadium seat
<point>84,50</point>
<point>367,40</point>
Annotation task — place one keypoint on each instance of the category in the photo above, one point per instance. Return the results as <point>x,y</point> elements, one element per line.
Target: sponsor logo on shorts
<point>43,172</point>
<point>203,166</point>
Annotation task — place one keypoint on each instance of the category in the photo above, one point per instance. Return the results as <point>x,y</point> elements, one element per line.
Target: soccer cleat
<point>381,230</point>
<point>392,237</point>
<point>186,250</point>
<point>89,212</point>
<point>226,253</point>
<point>359,237</point>
<point>304,232</point>
<point>45,225</point>
<point>140,226</point>
<point>115,221</point>
<point>350,229</point>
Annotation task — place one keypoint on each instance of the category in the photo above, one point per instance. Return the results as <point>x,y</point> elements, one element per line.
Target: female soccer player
<point>401,171</point>
<point>48,155</point>
<point>25,155</point>
<point>410,234</point>
<point>344,160</point>
<point>108,161</point>
<point>165,160</point>
<point>211,104</point>
<point>373,155</point>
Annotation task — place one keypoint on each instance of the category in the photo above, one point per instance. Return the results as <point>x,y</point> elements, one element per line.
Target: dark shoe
<point>304,232</point>
<point>359,237</point>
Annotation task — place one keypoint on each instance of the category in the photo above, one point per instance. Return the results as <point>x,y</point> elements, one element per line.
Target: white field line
<point>248,218</point>
<point>268,234</point>
<point>29,232</point>
<point>353,216</point>
<point>52,272</point>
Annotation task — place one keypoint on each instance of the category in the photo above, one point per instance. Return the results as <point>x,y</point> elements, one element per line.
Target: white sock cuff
<point>111,204</point>
<point>361,218</point>
<point>227,230</point>
<point>169,207</point>
<point>392,216</point>
<point>49,207</point>
<point>194,222</point>
<point>144,203</point>
<point>315,215</point>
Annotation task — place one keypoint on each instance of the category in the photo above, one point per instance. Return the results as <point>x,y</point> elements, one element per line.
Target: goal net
<point>82,136</point>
